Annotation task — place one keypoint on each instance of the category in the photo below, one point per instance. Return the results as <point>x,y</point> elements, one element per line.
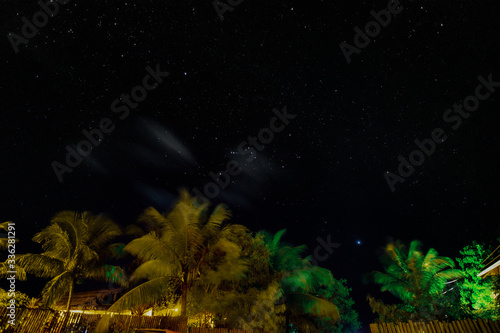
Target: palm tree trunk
<point>184,291</point>
<point>70,296</point>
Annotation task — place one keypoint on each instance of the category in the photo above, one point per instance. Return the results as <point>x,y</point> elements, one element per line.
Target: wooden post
<point>374,328</point>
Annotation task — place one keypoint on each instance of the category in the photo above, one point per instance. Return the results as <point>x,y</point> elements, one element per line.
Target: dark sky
<point>323,174</point>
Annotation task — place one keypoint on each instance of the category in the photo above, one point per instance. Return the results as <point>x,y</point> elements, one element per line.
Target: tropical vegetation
<point>192,260</point>
<point>417,278</point>
<point>74,246</point>
<point>432,287</point>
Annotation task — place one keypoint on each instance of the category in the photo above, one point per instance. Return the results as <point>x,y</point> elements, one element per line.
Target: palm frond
<point>4,240</point>
<point>438,281</point>
<point>152,220</point>
<point>149,247</point>
<point>312,305</point>
<point>5,225</point>
<point>276,240</point>
<point>102,229</point>
<point>55,241</point>
<point>218,216</point>
<point>72,223</point>
<point>56,288</point>
<point>85,254</point>
<point>307,279</point>
<point>40,265</point>
<point>413,276</point>
<point>145,293</point>
<point>415,247</point>
<point>135,231</point>
<point>153,269</point>
<point>5,268</point>
<point>183,225</point>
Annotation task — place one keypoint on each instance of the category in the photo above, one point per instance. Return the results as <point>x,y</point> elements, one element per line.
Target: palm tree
<point>300,282</point>
<point>144,226</point>
<point>175,252</point>
<point>4,240</point>
<point>74,245</point>
<point>10,264</point>
<point>416,278</point>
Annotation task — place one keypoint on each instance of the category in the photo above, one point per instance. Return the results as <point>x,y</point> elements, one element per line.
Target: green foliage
<point>279,285</point>
<point>251,300</point>
<point>190,258</point>
<point>264,311</point>
<point>390,313</point>
<point>449,303</point>
<point>339,293</point>
<point>418,279</point>
<point>496,290</point>
<point>301,284</point>
<point>477,300</point>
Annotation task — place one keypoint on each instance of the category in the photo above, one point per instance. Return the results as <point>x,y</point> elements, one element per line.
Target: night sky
<point>322,174</point>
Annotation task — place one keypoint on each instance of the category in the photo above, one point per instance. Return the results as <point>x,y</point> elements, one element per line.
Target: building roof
<point>491,270</point>
<point>492,267</point>
<point>89,300</point>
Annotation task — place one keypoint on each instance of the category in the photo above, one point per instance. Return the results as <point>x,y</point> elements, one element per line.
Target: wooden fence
<point>459,326</point>
<point>48,321</point>
<point>221,330</point>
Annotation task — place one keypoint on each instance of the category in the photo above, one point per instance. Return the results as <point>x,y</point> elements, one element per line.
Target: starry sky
<point>323,174</point>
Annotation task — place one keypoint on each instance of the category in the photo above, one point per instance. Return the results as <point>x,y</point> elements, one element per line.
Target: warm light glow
<point>128,312</point>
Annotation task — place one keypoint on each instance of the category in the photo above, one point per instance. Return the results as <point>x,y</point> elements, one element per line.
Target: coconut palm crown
<point>74,245</point>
